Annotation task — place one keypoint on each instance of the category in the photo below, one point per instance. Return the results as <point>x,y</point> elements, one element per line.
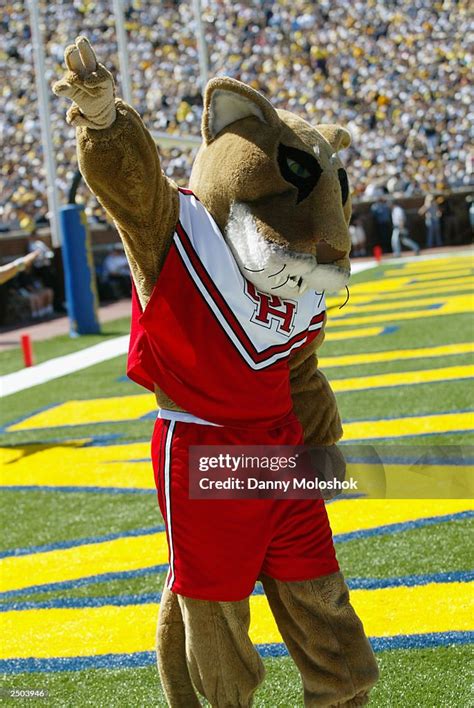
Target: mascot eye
<point>343,181</point>
<point>300,169</point>
<point>297,168</point>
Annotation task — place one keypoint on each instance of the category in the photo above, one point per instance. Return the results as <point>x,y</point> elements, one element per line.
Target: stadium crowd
<point>395,72</point>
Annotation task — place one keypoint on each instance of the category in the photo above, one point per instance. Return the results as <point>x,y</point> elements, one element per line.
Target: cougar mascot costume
<point>228,310</point>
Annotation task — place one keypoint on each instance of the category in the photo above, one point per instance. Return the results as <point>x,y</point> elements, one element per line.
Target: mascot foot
<point>325,638</point>
<point>361,699</point>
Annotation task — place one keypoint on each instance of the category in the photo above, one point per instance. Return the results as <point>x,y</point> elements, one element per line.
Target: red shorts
<point>218,548</point>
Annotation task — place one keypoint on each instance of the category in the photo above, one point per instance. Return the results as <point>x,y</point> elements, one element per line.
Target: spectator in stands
<point>396,73</point>
<point>39,297</point>
<point>400,231</point>
<point>45,254</point>
<point>448,221</point>
<point>383,223</point>
<point>358,237</point>
<point>470,206</point>
<point>432,213</point>
<point>115,269</point>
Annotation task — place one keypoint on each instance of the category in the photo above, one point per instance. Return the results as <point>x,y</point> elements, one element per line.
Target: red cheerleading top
<point>209,339</point>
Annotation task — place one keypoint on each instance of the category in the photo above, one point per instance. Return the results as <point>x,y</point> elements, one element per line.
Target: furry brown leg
<point>171,655</point>
<point>325,639</point>
<point>223,663</point>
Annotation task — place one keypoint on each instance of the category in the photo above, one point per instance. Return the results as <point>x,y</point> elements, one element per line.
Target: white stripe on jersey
<point>218,260</point>
<point>226,326</point>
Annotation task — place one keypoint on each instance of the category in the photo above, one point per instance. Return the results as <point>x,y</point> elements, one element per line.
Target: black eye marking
<point>343,181</point>
<point>300,169</point>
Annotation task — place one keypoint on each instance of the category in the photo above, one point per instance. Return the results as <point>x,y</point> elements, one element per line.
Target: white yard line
<point>359,267</point>
<point>62,365</point>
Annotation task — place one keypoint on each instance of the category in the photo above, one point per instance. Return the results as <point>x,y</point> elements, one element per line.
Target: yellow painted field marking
<point>437,264</point>
<point>404,305</point>
<point>390,611</point>
<point>349,515</point>
<point>412,425</point>
<point>403,378</point>
<point>64,465</point>
<point>132,553</point>
<point>454,306</point>
<point>91,631</point>
<point>129,553</point>
<point>14,455</point>
<point>402,284</point>
<point>95,410</point>
<point>396,355</point>
<point>114,409</point>
<point>446,268</point>
<point>112,466</point>
<point>454,273</point>
<point>420,481</point>
<point>403,295</point>
<point>353,333</point>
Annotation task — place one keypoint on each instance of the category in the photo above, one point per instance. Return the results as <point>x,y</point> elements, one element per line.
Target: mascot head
<point>276,188</point>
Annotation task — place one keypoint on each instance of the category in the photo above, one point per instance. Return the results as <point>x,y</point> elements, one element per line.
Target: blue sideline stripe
<point>56,603</point>
<point>458,576</point>
<point>418,436</point>
<point>345,497</point>
<point>402,526</point>
<point>429,414</point>
<point>102,439</point>
<point>72,425</point>
<point>148,658</point>
<point>155,598</point>
<point>25,416</point>
<point>421,641</point>
<point>86,580</point>
<point>97,442</point>
<point>29,550</point>
<point>71,489</point>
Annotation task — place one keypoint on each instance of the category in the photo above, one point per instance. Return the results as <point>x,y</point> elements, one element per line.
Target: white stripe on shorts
<point>167,475</point>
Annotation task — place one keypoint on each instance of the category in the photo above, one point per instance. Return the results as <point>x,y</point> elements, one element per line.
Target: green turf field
<point>83,551</point>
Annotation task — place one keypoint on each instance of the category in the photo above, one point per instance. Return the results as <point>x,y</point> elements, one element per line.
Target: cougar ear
<point>228,100</point>
<point>337,136</point>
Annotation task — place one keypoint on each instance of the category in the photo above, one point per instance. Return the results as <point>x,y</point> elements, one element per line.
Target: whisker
<point>278,272</point>
<point>346,300</point>
<point>281,285</point>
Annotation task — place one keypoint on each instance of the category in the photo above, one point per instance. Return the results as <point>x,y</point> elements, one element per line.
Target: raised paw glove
<point>89,85</point>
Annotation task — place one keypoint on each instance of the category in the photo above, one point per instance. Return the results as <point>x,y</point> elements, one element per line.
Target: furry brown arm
<point>313,400</point>
<point>122,168</point>
<point>120,163</point>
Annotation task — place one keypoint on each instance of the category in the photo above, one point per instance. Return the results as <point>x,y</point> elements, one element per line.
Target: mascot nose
<point>327,254</point>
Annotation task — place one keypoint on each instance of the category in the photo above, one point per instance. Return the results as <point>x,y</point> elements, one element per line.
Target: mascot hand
<point>89,85</point>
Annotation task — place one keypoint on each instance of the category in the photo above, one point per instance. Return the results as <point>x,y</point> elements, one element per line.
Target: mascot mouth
<point>277,270</point>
